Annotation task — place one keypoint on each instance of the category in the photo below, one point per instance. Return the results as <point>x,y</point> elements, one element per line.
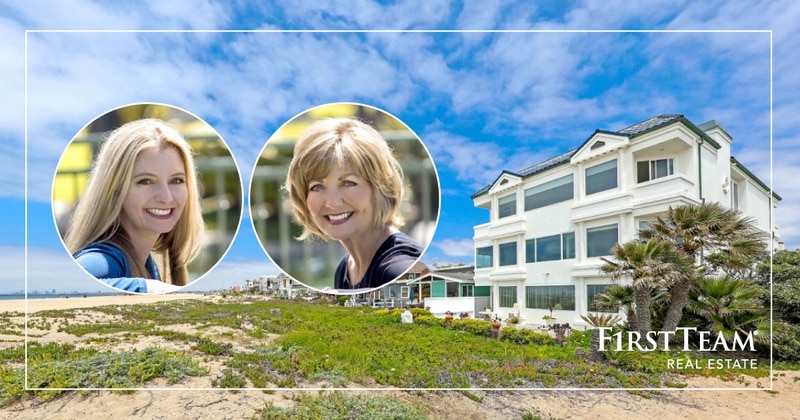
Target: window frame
<point>552,191</point>
<point>505,246</point>
<point>510,205</point>
<point>652,166</point>
<point>479,261</point>
<point>591,250</point>
<point>504,298</point>
<point>590,305</point>
<point>597,185</point>
<point>534,300</point>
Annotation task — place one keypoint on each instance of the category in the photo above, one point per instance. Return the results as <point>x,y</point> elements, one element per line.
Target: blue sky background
<point>482,102</point>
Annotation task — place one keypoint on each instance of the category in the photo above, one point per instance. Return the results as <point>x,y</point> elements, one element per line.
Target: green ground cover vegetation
<point>297,344</point>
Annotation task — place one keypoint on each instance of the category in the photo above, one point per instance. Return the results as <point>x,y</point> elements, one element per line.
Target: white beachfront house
<point>550,223</point>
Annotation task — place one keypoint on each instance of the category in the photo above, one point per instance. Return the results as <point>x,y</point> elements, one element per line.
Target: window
<point>735,197</point>
<point>601,177</point>
<point>543,297</point>
<point>648,170</point>
<point>548,248</point>
<point>530,250</point>
<point>507,206</point>
<point>452,289</point>
<point>508,296</point>
<point>405,292</point>
<point>555,191</point>
<point>592,290</point>
<point>568,245</point>
<point>600,240</point>
<point>508,253</point>
<point>483,257</point>
<point>467,290</point>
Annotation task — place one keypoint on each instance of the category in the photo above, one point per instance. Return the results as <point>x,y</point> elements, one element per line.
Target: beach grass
<point>276,343</point>
<point>339,405</point>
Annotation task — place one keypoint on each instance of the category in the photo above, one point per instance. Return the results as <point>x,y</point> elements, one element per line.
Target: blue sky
<point>481,101</point>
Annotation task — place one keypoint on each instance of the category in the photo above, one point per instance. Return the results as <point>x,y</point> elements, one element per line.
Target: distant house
<point>549,225</point>
<point>281,285</point>
<point>450,289</point>
<point>441,290</point>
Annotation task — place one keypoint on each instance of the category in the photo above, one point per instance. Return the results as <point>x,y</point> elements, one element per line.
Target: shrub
<point>524,336</point>
<point>785,342</point>
<point>477,327</point>
<point>342,405</point>
<point>419,311</point>
<point>429,320</point>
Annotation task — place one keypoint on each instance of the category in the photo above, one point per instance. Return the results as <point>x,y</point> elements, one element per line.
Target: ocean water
<point>56,296</point>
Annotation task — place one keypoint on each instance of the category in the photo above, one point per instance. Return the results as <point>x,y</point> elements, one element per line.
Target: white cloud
<point>456,248</point>
<point>533,89</point>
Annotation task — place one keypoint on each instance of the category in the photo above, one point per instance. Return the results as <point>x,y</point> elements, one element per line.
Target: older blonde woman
<point>138,223</point>
<point>345,184</point>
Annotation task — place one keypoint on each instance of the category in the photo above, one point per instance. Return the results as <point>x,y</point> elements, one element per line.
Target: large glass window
<point>530,250</point>
<point>601,177</point>
<point>555,191</point>
<point>508,296</point>
<point>483,257</point>
<point>548,248</point>
<point>507,206</point>
<point>452,289</point>
<point>544,297</point>
<point>405,292</point>
<point>508,253</point>
<point>592,290</point>
<point>467,290</point>
<point>568,245</point>
<point>600,240</point>
<point>647,170</point>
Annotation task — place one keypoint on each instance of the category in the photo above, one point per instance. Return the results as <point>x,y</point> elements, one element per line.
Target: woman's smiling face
<point>341,204</point>
<point>157,193</point>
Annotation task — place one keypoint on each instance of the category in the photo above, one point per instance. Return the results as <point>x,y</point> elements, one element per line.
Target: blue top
<point>392,259</point>
<point>107,263</point>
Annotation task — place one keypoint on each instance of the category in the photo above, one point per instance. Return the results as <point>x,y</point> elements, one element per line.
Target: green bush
<point>419,311</point>
<point>524,336</point>
<point>478,327</point>
<point>429,320</point>
<point>785,342</point>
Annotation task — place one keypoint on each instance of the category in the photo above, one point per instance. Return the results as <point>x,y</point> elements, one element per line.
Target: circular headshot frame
<point>312,262</point>
<point>219,187</point>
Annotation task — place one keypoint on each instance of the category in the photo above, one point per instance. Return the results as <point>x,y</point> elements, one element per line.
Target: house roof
<point>635,130</point>
<point>755,179</point>
<point>440,276</point>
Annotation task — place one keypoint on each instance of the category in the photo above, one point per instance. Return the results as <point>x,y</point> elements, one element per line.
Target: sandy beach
<point>60,303</point>
<point>163,401</point>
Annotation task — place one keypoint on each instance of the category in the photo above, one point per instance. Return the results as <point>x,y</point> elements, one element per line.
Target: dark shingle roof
<point>649,124</point>
<point>631,131</point>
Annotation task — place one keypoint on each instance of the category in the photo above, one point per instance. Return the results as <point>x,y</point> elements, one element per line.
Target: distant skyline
<point>482,102</point>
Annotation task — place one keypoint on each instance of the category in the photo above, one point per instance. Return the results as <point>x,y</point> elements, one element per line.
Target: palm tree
<point>704,228</point>
<point>618,297</point>
<point>648,264</point>
<point>729,306</point>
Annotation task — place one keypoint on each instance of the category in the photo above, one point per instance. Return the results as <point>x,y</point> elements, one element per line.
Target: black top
<point>392,259</point>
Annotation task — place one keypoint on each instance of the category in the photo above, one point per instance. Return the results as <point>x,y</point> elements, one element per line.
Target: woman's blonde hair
<point>352,144</point>
<point>96,217</point>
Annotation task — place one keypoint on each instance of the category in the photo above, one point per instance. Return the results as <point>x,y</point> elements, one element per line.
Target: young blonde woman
<point>138,223</point>
<point>345,184</point>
